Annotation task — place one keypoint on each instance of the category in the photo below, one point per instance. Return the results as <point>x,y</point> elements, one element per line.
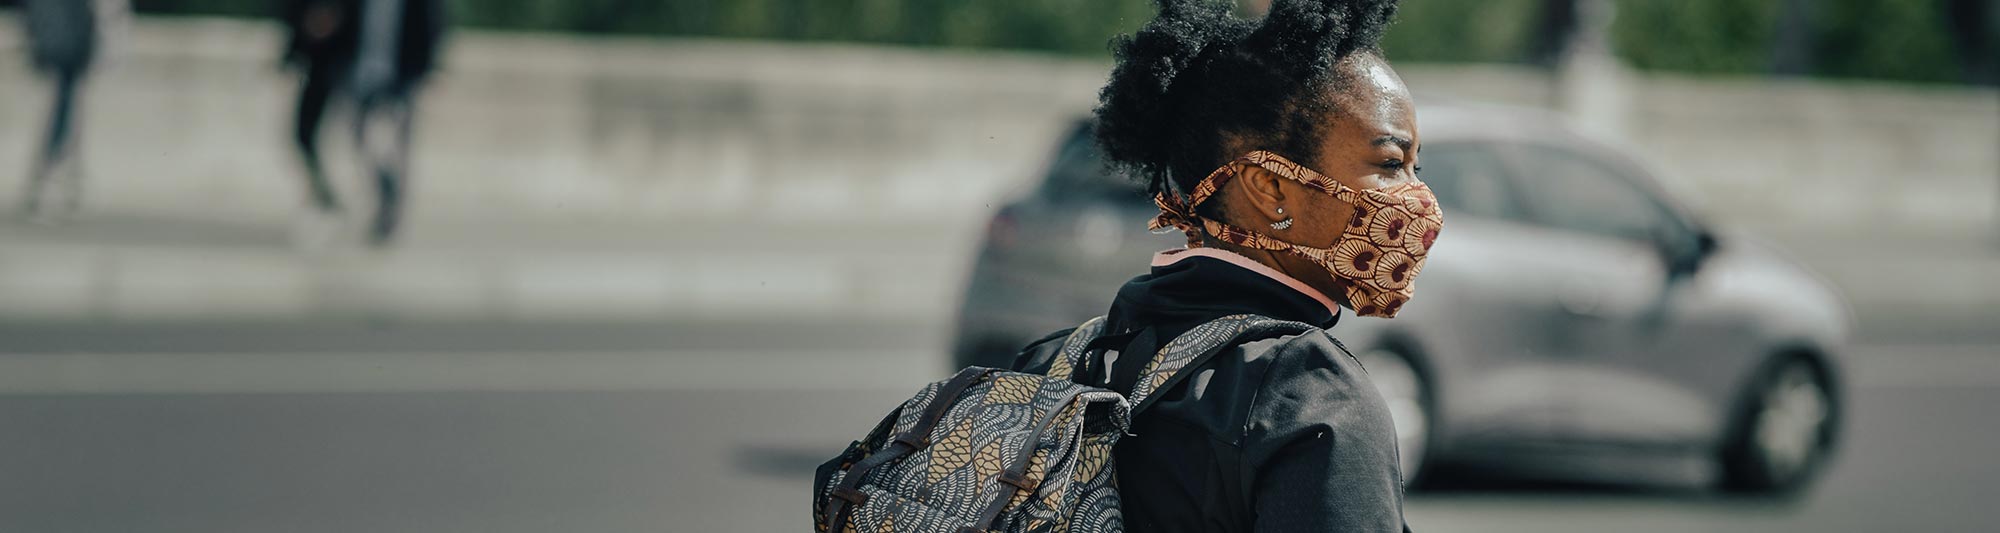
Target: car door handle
<point>1581,299</point>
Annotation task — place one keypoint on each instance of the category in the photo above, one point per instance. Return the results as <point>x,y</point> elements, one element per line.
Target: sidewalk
<point>182,268</point>
<point>175,269</point>
<point>561,178</point>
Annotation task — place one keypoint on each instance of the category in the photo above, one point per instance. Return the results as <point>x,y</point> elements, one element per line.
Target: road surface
<point>618,429</point>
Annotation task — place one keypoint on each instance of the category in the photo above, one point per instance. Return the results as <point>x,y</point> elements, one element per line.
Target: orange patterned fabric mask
<point>1379,253</point>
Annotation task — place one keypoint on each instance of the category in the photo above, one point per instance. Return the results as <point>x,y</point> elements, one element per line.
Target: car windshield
<point>1468,180</point>
<point>1580,193</point>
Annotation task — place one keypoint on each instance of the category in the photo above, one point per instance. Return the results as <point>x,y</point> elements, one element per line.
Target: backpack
<point>990,450</point>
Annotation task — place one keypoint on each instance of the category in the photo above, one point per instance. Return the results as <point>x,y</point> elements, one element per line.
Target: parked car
<point>1574,320</point>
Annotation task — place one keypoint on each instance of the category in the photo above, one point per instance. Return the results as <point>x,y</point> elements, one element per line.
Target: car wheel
<point>1784,431</point>
<point>1408,396</point>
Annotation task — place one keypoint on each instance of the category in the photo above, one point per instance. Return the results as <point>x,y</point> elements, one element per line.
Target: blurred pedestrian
<point>64,41</point>
<point>1555,26</point>
<point>322,47</point>
<point>1973,26</point>
<point>378,52</point>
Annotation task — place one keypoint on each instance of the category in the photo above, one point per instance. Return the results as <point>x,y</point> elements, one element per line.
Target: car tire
<point>1784,430</point>
<point>1407,391</point>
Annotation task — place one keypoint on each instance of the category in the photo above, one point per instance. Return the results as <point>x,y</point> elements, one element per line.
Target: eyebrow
<point>1395,140</point>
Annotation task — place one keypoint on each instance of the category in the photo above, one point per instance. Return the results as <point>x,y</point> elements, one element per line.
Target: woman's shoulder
<point>1311,382</point>
<point>1311,350</point>
<point>1262,360</point>
<point>1250,383</point>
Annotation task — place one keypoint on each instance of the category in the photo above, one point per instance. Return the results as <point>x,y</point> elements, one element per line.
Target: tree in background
<point>1913,40</point>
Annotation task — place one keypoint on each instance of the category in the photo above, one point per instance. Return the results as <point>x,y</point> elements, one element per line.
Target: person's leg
<point>72,151</point>
<point>56,144</point>
<point>392,163</point>
<point>379,154</point>
<point>313,96</point>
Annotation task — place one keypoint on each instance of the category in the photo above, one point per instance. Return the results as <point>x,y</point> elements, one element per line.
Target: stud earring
<point>1282,224</point>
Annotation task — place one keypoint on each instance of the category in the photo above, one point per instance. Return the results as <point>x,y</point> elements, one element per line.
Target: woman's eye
<point>1418,170</point>
<point>1393,164</point>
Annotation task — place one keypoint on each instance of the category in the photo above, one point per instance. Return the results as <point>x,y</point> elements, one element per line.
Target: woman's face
<point>1370,143</point>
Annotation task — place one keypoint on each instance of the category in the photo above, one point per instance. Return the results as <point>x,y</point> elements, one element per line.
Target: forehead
<point>1372,100</point>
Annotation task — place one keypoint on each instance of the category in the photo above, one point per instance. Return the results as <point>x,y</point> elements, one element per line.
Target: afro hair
<point>1198,80</point>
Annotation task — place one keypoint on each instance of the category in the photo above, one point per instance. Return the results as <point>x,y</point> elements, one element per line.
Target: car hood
<point>1750,271</point>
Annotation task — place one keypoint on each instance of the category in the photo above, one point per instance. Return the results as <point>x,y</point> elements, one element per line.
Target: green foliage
<point>1064,26</point>
<point>1696,35</point>
<point>1903,39</point>
<point>208,7</point>
<point>1461,30</point>
<point>1864,38</point>
<point>1899,39</point>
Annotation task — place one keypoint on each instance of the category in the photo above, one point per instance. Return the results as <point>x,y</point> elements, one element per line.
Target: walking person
<point>1286,150</point>
<point>322,46</point>
<point>1211,397</point>
<point>65,38</point>
<point>378,52</point>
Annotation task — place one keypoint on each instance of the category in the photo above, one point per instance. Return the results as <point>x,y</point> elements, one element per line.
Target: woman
<point>1286,149</point>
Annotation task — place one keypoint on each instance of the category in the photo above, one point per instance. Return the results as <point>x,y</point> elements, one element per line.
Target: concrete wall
<point>196,111</point>
<point>844,153</point>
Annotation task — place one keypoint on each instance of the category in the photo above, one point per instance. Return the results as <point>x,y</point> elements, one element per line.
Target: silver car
<point>1573,322</point>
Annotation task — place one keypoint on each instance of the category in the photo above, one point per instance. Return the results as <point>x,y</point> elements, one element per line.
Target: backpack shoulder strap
<point>1073,349</point>
<point>1200,344</point>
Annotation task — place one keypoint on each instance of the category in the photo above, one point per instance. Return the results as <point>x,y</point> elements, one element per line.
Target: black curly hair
<point>1199,81</point>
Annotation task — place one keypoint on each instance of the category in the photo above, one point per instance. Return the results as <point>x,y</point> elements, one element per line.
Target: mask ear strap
<point>1299,173</point>
<point>1178,210</point>
<point>1242,237</point>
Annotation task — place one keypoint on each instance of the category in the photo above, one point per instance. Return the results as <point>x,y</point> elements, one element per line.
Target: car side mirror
<point>1706,243</point>
<point>1684,252</point>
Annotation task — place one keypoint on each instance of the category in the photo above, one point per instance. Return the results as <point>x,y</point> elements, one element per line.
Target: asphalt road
<point>145,432</point>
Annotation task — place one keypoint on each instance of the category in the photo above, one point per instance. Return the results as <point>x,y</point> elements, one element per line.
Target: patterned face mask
<point>1379,253</point>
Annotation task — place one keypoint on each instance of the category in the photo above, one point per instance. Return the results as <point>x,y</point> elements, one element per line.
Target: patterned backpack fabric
<point>995,451</point>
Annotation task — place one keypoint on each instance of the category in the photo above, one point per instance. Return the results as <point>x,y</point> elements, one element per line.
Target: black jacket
<point>62,34</point>
<point>1278,435</point>
<point>424,25</point>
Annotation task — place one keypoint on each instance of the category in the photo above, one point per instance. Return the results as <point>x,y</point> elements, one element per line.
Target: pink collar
<point>1176,255</point>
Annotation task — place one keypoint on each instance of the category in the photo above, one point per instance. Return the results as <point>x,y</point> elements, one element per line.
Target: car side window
<point>1573,191</point>
<point>1468,178</point>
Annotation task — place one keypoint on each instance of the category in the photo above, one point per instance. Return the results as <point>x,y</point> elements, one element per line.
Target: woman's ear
<point>1262,191</point>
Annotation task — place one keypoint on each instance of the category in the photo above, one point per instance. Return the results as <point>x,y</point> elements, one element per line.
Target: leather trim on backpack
<point>848,495</point>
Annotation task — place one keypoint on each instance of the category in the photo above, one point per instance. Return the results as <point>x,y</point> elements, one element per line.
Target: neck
<point>1261,256</point>
<point>1269,259</point>
<point>1254,265</point>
